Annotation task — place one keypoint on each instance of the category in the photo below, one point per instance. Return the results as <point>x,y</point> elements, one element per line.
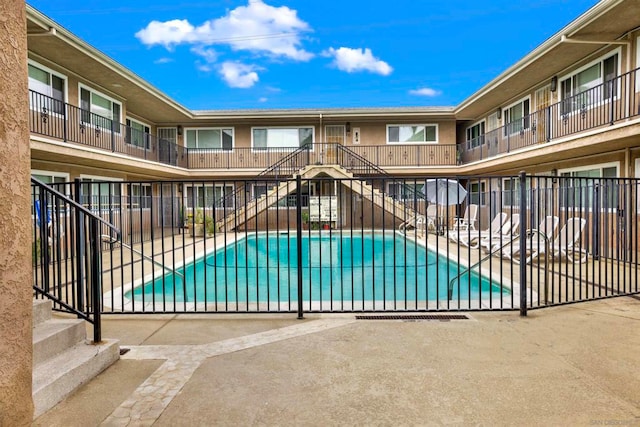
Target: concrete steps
<point>62,358</point>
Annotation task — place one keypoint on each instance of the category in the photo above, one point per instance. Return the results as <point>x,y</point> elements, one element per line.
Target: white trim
<point>484,132</point>
<point>64,175</point>
<point>435,125</point>
<point>100,178</point>
<point>97,92</point>
<point>50,71</point>
<point>220,128</point>
<point>600,59</point>
<point>506,123</point>
<point>254,150</point>
<point>590,167</point>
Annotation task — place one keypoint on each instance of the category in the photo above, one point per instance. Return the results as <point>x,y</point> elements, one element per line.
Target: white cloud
<point>425,91</point>
<point>238,75</point>
<point>167,33</point>
<point>355,60</point>
<point>263,99</point>
<point>163,60</point>
<point>208,54</point>
<point>256,27</point>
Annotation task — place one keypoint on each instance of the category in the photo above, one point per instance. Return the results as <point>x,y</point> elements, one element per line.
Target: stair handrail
<point>388,177</point>
<point>492,251</point>
<point>93,253</point>
<point>301,150</point>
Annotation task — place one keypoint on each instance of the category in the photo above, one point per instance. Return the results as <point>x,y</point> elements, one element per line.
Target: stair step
<point>55,336</point>
<point>59,376</point>
<point>41,311</point>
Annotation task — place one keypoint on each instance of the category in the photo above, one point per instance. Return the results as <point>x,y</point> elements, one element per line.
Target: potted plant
<point>305,220</point>
<point>198,226</point>
<point>209,225</point>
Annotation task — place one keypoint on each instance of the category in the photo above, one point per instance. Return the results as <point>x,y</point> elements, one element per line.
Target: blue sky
<point>237,54</point>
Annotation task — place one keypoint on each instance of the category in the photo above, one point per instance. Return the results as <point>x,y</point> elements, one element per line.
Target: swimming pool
<point>367,266</point>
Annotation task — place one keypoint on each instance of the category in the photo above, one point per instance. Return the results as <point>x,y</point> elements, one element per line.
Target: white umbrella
<point>444,191</point>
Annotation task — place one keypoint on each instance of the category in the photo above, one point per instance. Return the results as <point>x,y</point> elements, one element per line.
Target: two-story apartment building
<point>569,108</point>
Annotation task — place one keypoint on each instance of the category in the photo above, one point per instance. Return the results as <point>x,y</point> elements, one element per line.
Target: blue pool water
<point>365,266</point>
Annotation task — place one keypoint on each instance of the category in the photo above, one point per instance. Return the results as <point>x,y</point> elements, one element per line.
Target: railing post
<point>523,238</point>
<point>80,244</point>
<point>95,278</point>
<point>64,122</point>
<point>547,127</point>
<point>612,102</point>
<point>113,138</point>
<point>299,241</point>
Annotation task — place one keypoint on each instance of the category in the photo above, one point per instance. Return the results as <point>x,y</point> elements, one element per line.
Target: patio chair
<point>430,215</point>
<point>468,221</point>
<point>467,237</point>
<point>501,237</point>
<point>568,240</point>
<point>535,243</point>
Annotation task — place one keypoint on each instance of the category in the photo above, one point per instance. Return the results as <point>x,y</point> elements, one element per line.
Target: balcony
<point>599,107</point>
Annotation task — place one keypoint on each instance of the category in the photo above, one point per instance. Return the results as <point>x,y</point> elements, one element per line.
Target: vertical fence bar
<point>523,237</point>
<point>299,242</point>
<point>96,276</point>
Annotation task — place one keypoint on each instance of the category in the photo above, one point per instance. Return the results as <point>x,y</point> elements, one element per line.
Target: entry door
<point>334,134</point>
<point>543,100</point>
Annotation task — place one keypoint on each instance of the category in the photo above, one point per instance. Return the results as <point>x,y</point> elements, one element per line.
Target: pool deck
<point>569,365</point>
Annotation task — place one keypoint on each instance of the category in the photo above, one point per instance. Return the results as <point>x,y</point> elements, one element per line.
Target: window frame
<point>598,166</point>
<point>508,122</point>
<point>570,76</point>
<point>146,133</point>
<point>92,91</point>
<point>483,126</point>
<point>51,72</point>
<point>84,179</point>
<point>187,200</point>
<point>262,150</point>
<point>219,128</point>
<point>425,125</point>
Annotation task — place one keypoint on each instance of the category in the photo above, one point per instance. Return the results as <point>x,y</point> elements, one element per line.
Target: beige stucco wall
<point>16,349</point>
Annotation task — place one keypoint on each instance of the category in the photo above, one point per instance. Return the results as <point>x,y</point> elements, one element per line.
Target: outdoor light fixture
<point>554,83</point>
<point>499,113</point>
<point>179,130</point>
<point>348,127</point>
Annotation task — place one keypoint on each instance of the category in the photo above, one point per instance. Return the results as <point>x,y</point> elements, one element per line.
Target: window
<point>412,134</point>
<point>141,196</point>
<point>585,88</point>
<point>210,138</point>
<point>99,110</point>
<point>580,186</point>
<point>138,134</point>
<point>511,192</point>
<point>286,200</point>
<point>516,117</point>
<point>54,179</point>
<point>475,135</point>
<point>100,192</point>
<point>46,82</point>
<point>410,190</point>
<point>265,138</point>
<point>477,193</point>
<point>206,196</point>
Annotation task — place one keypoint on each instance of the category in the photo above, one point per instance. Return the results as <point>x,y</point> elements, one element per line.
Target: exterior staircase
<point>63,359</point>
<point>271,197</point>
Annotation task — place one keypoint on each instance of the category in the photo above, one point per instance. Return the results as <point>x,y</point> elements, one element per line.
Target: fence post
<point>523,238</point>
<point>547,127</point>
<point>299,241</point>
<point>95,278</point>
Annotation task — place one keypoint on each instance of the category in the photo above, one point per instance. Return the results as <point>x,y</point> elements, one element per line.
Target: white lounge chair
<point>430,215</point>
<point>536,241</point>
<point>468,221</point>
<point>467,237</point>
<point>502,237</point>
<point>565,245</point>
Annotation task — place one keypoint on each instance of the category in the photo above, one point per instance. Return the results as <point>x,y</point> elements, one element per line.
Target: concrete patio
<point>570,365</point>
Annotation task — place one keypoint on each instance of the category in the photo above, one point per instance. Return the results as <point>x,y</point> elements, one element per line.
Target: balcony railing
<point>54,118</point>
<point>601,106</point>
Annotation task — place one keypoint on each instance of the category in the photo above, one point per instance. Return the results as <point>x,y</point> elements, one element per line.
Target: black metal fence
<point>344,244</point>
